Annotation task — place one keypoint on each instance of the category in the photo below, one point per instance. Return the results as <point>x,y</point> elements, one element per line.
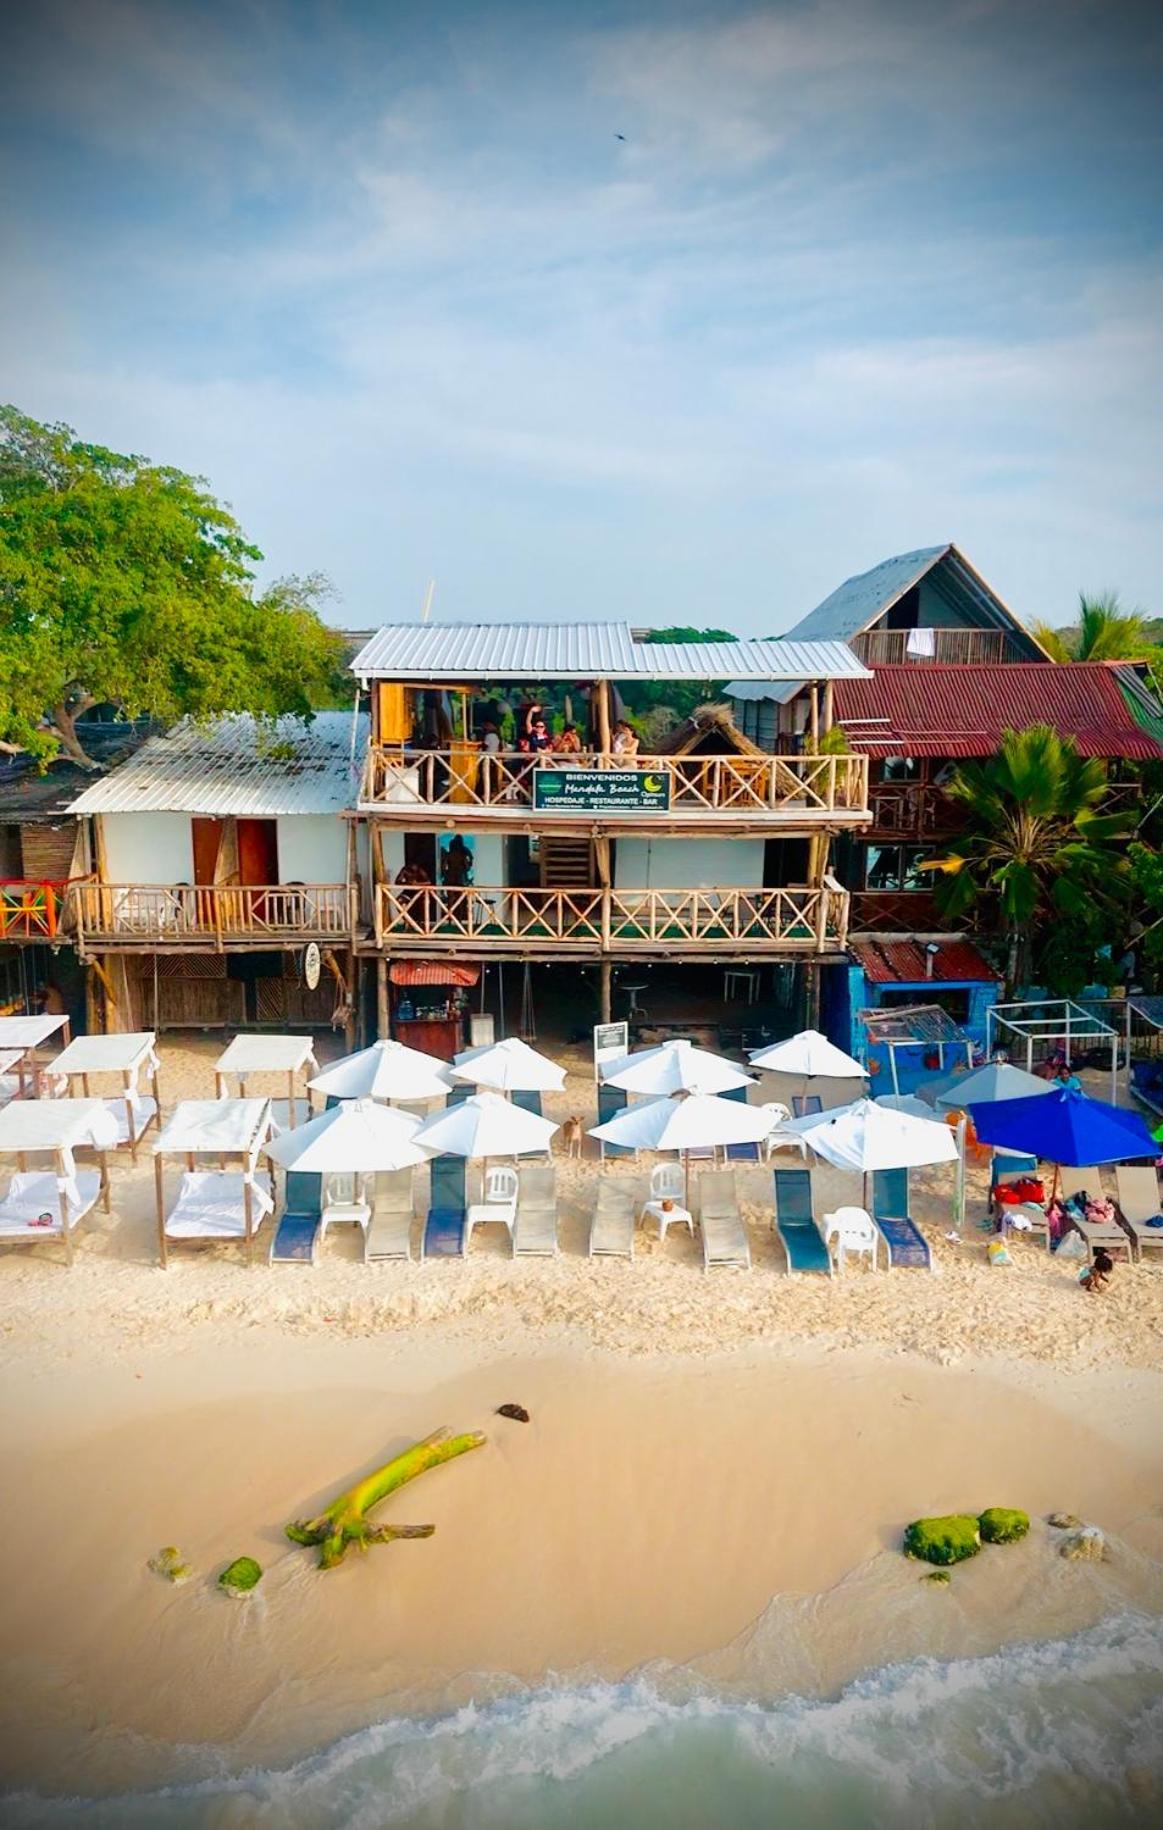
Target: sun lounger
<point>611,1101</point>
<point>296,1239</point>
<point>612,1227</point>
<point>535,1232</point>
<point>1140,1201</point>
<point>720,1222</point>
<point>804,1105</point>
<point>390,1232</point>
<point>795,1222</point>
<point>443,1235</point>
<point>907,1247</point>
<point>528,1099</point>
<point>1088,1181</point>
<point>31,1195</point>
<point>460,1089</point>
<point>740,1153</point>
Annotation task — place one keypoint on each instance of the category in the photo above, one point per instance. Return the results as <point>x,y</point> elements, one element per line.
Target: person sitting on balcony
<point>413,875</point>
<point>567,742</point>
<point>625,740</point>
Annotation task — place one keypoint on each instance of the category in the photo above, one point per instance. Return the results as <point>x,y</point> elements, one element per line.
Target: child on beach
<point>1094,1277</point>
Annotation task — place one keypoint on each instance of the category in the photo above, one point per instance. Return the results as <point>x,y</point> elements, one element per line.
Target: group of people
<point>534,736</point>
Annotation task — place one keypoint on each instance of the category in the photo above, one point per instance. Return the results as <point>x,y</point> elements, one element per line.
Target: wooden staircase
<point>567,862</point>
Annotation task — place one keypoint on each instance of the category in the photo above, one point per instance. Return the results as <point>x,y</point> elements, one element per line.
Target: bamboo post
<point>604,993</point>
<point>815,705</point>
<point>828,699</point>
<point>127,1081</point>
<point>603,692</point>
<point>160,1193</point>
<point>291,1097</point>
<point>103,1160</point>
<point>248,1211</point>
<point>382,998</point>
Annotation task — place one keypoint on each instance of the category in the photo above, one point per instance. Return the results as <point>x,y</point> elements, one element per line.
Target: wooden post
<point>127,1078</point>
<point>382,999</point>
<point>827,706</point>
<point>604,1000</point>
<point>349,1024</point>
<point>90,999</point>
<point>248,1210</point>
<point>815,705</point>
<point>603,692</point>
<point>290,1099</point>
<point>160,1192</point>
<point>811,995</point>
<point>103,1160</point>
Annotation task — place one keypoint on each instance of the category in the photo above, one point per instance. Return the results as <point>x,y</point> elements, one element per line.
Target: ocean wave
<point>1061,1732</point>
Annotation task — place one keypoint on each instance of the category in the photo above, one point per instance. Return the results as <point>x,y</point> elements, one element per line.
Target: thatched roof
<point>709,731</point>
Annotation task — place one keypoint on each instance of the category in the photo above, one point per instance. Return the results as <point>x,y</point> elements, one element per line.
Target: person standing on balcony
<point>625,740</point>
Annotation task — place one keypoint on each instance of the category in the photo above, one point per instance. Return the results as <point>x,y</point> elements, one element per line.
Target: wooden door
<point>207,836</point>
<point>258,851</point>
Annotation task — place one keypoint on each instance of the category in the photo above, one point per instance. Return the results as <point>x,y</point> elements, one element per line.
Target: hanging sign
<point>611,1041</point>
<point>601,790</point>
<point>312,965</point>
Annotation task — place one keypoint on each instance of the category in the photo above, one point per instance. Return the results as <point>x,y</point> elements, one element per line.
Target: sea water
<point>1062,1733</point>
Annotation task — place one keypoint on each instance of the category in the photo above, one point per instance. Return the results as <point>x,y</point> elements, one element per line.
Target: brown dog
<point>571,1136</point>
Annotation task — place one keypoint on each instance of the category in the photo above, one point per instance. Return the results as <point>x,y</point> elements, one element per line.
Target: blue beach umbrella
<point>1063,1127</point>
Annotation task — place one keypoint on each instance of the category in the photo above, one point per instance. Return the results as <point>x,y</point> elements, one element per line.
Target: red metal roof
<point>431,972</point>
<point>933,709</point>
<point>904,962</point>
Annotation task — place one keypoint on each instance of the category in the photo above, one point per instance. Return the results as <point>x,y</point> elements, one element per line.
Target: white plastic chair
<point>777,1115</point>
<point>853,1231</point>
<point>500,1202</point>
<point>346,1200</point>
<point>667,1182</point>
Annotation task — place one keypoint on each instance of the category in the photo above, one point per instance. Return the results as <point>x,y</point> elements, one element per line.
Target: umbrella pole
<point>959,1194</point>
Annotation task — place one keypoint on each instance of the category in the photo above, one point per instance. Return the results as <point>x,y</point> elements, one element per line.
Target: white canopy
<point>9,1058</point>
<point>685,1124</point>
<point>869,1135</point>
<point>23,1033</point>
<point>56,1124</point>
<point>217,1127</point>
<point>358,1135</point>
<point>486,1126</point>
<point>810,1056</point>
<point>509,1065</point>
<point>386,1070</point>
<point>122,1053</point>
<point>674,1067</point>
<point>267,1055</point>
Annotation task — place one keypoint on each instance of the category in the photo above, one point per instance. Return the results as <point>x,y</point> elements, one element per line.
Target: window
<point>896,867</point>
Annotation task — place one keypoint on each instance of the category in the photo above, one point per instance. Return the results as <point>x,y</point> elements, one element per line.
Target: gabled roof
<point>860,602</point>
<point>238,765</point>
<point>467,652</point>
<point>709,731</point>
<point>937,710</point>
<point>905,962</point>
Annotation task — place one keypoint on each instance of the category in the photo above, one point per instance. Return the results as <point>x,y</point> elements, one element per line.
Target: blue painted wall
<point>844,991</point>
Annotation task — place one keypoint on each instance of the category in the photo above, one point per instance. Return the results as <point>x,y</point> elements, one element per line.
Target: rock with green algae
<point>1003,1525</point>
<point>945,1540</point>
<point>940,1578</point>
<point>241,1576</point>
<point>171,1564</point>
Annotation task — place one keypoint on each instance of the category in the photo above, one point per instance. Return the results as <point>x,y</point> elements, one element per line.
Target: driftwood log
<point>345,1521</point>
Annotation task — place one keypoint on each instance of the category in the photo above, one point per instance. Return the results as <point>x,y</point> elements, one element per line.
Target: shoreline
<point>732,1520</point>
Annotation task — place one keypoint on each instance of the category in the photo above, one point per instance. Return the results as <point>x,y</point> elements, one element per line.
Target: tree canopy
<point>1104,631</point>
<point>128,583</point>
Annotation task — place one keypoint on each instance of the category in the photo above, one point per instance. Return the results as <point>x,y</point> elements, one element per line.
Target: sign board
<point>611,1040</point>
<point>312,965</point>
<point>601,791</point>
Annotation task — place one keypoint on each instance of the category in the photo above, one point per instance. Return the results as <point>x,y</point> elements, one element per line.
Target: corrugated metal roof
<point>237,765</point>
<point>1144,707</point>
<point>585,651</point>
<point>903,962</point>
<point>860,602</point>
<point>937,710</point>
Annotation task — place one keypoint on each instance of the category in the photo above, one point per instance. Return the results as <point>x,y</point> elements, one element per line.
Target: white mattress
<point>37,1193</point>
<point>210,1206</point>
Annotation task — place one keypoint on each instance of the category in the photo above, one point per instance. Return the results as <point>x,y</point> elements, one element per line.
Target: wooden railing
<point>956,647</point>
<point>910,810</point>
<point>793,919</point>
<point>403,780</point>
<point>895,912</point>
<point>211,912</point>
<point>30,910</point>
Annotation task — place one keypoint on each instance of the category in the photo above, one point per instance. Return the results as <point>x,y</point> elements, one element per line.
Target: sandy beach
<point>711,1490</point>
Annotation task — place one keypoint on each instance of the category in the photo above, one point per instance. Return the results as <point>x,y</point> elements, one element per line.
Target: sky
<point>673,313</point>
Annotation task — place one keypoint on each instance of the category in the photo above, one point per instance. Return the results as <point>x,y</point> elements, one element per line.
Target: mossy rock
<point>241,1576</point>
<point>947,1540</point>
<point>939,1578</point>
<point>1003,1525</point>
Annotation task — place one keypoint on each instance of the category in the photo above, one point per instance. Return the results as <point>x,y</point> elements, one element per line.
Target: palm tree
<point>1033,839</point>
<point>1104,632</point>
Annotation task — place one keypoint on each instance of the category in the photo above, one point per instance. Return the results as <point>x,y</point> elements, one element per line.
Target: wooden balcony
<point>811,790</point>
<point>532,922</point>
<point>30,910</point>
<point>951,647</point>
<point>211,915</point>
<point>910,810</point>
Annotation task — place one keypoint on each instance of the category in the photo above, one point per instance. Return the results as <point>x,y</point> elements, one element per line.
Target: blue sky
<point>863,275</point>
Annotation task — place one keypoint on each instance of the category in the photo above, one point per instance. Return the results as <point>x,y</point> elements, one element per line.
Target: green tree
<point>1104,632</point>
<point>126,582</point>
<point>1147,871</point>
<point>678,698</point>
<point>1035,843</point>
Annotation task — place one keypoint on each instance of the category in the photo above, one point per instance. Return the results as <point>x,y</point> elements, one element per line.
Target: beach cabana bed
<point>1139,1202</point>
<point>287,1056</point>
<point>37,1205</point>
<point>129,1055</point>
<point>535,1232</point>
<point>20,1041</point>
<point>905,1244</point>
<point>795,1223</point>
<point>214,1206</point>
<point>720,1222</point>
<point>612,1226</point>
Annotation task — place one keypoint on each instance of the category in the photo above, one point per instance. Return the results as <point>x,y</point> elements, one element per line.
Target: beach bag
<point>1071,1246</point>
<point>998,1252</point>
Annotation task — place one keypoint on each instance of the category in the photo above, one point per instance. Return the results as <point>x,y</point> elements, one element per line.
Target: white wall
<point>312,848</point>
<point>148,848</point>
<point>489,849</point>
<point>392,844</point>
<point>689,864</point>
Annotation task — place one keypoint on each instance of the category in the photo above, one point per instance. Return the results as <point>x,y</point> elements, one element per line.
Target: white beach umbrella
<point>675,1067</point>
<point>358,1136</point>
<point>810,1056</point>
<point>509,1066</point>
<point>386,1070</point>
<point>698,1122</point>
<point>869,1135</point>
<point>486,1126</point>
